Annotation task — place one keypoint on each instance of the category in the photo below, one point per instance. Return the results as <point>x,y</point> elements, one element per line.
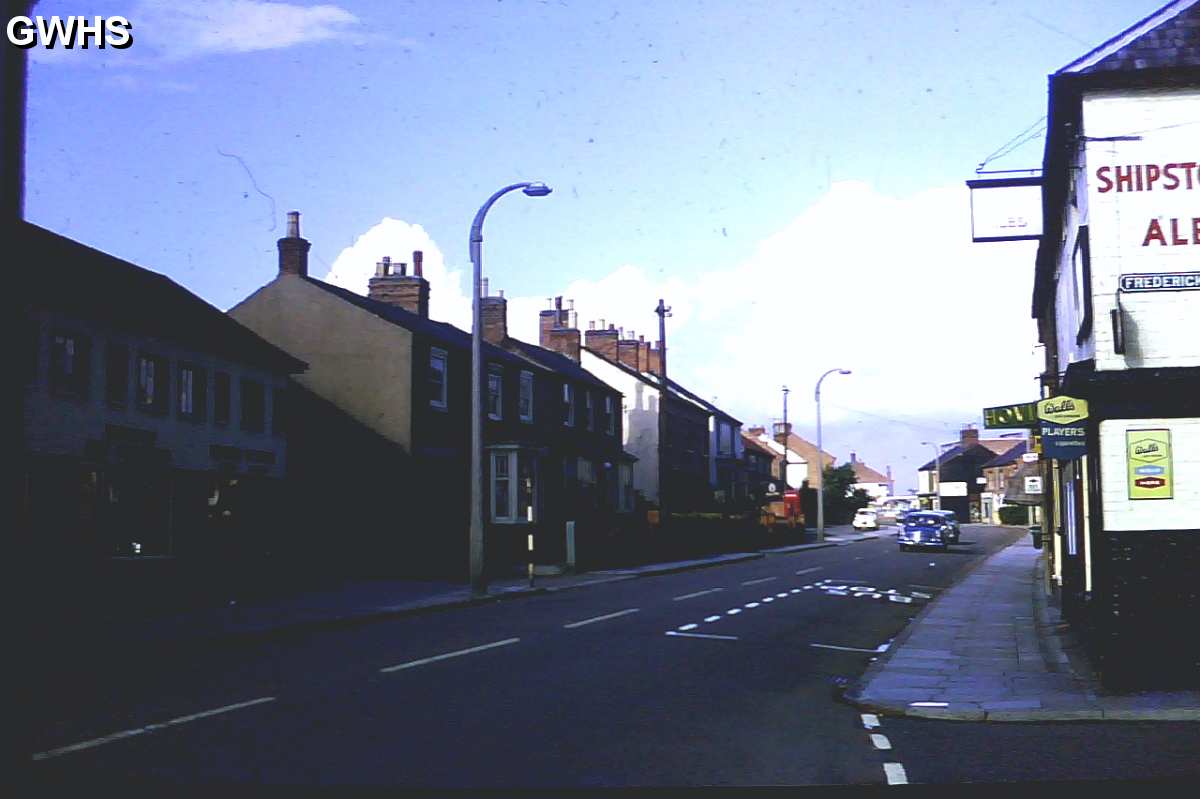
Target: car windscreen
<point>924,520</point>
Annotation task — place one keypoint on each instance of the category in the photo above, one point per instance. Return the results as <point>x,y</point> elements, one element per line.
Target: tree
<point>840,499</point>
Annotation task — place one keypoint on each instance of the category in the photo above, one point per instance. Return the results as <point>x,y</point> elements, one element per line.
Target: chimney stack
<point>602,341</point>
<point>629,351</point>
<point>493,312</point>
<point>293,250</point>
<point>557,331</point>
<point>969,437</point>
<point>398,288</point>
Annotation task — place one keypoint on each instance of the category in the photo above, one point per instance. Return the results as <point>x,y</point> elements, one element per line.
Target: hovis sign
<point>1148,455</point>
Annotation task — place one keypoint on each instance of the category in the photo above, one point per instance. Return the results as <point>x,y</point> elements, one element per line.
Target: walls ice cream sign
<point>1148,455</point>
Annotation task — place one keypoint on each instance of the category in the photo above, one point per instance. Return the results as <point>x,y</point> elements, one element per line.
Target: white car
<point>866,520</point>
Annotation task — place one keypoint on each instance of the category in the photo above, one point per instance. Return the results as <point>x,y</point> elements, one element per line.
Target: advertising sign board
<point>1062,435</point>
<point>1033,485</point>
<point>1019,415</point>
<point>1148,455</point>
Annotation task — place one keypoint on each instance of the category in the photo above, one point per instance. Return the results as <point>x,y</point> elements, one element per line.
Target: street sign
<point>1020,415</point>
<point>1033,485</point>
<point>1160,281</point>
<point>1029,457</point>
<point>1148,454</point>
<point>1062,435</point>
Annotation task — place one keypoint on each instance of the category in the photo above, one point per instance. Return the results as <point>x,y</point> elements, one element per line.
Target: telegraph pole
<point>663,312</point>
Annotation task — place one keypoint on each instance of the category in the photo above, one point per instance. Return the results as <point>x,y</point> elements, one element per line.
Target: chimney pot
<point>403,269</point>
<point>418,260</point>
<point>571,305</point>
<point>293,250</point>
<point>501,293</point>
<point>293,224</point>
<point>558,303</point>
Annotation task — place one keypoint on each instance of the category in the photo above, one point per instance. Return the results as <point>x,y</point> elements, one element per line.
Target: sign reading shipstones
<point>1148,455</point>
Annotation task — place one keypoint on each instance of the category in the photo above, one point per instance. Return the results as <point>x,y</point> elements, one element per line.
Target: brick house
<point>153,451</point>
<point>876,484</point>
<point>1117,298</point>
<point>955,479</point>
<point>552,447</point>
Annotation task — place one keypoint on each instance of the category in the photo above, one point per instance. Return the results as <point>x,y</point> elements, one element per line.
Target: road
<point>717,676</point>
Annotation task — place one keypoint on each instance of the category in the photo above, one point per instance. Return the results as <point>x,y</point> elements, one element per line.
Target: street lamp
<point>533,189</point>
<point>937,460</point>
<point>820,460</point>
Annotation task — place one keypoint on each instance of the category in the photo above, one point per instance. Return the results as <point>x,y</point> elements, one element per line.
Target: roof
<point>557,362</point>
<point>1167,38</point>
<point>957,451</point>
<point>438,331</point>
<point>865,474</point>
<point>673,388</point>
<point>62,274</point>
<point>1011,456</point>
<point>701,401</point>
<point>751,443</point>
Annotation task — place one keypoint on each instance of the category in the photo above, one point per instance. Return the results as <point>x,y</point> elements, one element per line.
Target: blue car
<point>925,529</point>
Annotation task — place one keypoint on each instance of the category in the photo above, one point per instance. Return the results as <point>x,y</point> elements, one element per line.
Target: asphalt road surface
<point>719,676</point>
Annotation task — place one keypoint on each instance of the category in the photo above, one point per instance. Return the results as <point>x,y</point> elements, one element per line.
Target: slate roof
<point>61,274</point>
<point>1170,37</point>
<point>751,443</point>
<point>673,388</point>
<point>865,474</point>
<point>440,332</point>
<point>1010,456</point>
<point>557,362</point>
<point>700,400</point>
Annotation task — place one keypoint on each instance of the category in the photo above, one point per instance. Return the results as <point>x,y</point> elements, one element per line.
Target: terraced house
<point>552,432</point>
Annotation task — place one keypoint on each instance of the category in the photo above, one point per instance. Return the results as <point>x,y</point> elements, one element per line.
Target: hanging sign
<point>1062,435</point>
<point>1033,485</point>
<point>1148,455</point>
<point>1020,415</point>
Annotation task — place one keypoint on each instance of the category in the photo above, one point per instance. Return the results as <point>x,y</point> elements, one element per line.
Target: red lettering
<point>1172,178</point>
<point>1189,166</point>
<point>1196,230</point>
<point>1138,169</point>
<point>1175,237</point>
<point>1154,233</point>
<point>1106,183</point>
<point>1125,179</point>
<point>1153,172</point>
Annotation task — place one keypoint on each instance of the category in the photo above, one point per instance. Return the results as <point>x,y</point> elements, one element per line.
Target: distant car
<point>866,520</point>
<point>923,528</point>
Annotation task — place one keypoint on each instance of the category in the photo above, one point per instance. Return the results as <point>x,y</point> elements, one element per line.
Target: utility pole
<point>663,312</point>
<point>783,477</point>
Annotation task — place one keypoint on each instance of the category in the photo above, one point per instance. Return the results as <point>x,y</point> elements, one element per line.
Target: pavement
<point>993,648</point>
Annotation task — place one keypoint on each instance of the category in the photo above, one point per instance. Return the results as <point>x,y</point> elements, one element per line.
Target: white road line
<point>435,658</point>
<point>698,593</point>
<point>781,596</point>
<point>711,619</point>
<point>844,648</point>
<point>870,720</point>
<point>903,600</point>
<point>768,599</point>
<point>880,741</point>
<point>733,611</point>
<point>919,595</point>
<point>760,580</point>
<point>117,736</point>
<point>601,618</point>
<point>703,635</point>
<point>810,571</point>
<point>688,626</point>
<point>751,604</point>
<point>795,590</point>
<point>895,774</point>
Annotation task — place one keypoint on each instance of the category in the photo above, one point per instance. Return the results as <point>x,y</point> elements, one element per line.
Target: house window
<point>586,472</point>
<point>193,392</point>
<point>568,405</point>
<point>152,383</point>
<point>279,411</point>
<point>525,404</point>
<point>590,411</point>
<point>625,494</point>
<point>254,407</point>
<point>69,365</point>
<point>514,486</point>
<point>610,416</point>
<point>437,378</point>
<point>221,399</point>
<point>495,393</point>
<point>725,439</point>
<point>116,374</point>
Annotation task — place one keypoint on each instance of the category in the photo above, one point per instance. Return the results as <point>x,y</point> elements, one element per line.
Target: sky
<point>788,176</point>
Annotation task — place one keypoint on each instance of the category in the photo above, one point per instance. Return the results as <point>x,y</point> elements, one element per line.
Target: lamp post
<point>820,459</point>
<point>532,189</point>
<point>937,460</point>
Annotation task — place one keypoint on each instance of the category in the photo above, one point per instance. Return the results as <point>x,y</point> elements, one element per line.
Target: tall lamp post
<point>937,461</point>
<point>820,459</point>
<point>532,189</point>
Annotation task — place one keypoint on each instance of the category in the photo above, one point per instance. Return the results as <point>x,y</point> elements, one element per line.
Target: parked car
<point>866,519</point>
<point>925,528</point>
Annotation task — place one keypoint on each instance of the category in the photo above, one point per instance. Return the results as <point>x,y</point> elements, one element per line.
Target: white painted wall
<point>1161,328</point>
<point>640,420</point>
<point>1180,513</point>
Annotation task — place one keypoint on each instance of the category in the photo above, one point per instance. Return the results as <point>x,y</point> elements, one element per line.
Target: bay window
<point>514,486</point>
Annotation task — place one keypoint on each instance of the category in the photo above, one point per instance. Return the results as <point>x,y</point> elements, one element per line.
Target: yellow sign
<point>1148,455</point>
<point>1062,410</point>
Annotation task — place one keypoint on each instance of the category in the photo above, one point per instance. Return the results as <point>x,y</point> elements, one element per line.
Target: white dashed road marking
<point>810,571</point>
<point>703,635</point>
<point>696,594</point>
<point>117,736</point>
<point>880,741</point>
<point>870,720</point>
<point>601,618</point>
<point>895,774</point>
<point>711,619</point>
<point>733,611</point>
<point>460,652</point>
<point>760,580</point>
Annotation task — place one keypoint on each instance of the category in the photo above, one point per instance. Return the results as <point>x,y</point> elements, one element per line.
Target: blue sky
<point>788,176</point>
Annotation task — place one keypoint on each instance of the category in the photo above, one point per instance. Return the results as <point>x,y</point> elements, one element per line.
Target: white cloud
<point>184,30</point>
<point>933,327</point>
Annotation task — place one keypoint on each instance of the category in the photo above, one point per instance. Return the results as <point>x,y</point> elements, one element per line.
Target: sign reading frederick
<point>1063,435</point>
<point>1148,455</point>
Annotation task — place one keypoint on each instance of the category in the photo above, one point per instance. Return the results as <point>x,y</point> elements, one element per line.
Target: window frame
<point>441,402</point>
<point>77,382</point>
<point>589,410</point>
<point>611,414</point>
<point>159,399</point>
<point>625,489</point>
<point>199,391</point>
<point>568,400</point>
<point>525,394</point>
<point>497,373</point>
<point>513,459</point>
